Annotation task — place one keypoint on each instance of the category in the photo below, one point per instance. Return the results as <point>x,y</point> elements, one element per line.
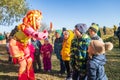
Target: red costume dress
<point>20,47</point>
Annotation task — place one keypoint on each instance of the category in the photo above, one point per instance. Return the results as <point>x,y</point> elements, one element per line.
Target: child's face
<point>66,35</point>
<point>91,32</point>
<point>90,49</point>
<point>57,35</point>
<point>77,33</point>
<point>46,41</point>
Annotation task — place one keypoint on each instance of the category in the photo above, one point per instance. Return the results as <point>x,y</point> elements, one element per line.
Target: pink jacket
<point>46,50</point>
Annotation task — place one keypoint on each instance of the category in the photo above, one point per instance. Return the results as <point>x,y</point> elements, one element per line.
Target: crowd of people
<point>81,52</point>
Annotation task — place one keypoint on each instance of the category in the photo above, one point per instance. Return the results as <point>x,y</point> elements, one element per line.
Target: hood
<point>100,59</point>
<point>71,35</point>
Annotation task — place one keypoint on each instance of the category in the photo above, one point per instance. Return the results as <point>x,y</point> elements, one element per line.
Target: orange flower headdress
<point>32,19</point>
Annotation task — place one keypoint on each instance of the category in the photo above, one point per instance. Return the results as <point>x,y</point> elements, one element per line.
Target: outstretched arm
<point>38,35</point>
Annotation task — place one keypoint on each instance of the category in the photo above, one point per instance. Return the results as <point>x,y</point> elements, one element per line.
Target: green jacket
<point>79,53</point>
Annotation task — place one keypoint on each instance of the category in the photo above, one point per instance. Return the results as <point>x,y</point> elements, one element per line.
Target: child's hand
<point>68,55</point>
<point>48,52</point>
<point>42,52</point>
<point>49,55</point>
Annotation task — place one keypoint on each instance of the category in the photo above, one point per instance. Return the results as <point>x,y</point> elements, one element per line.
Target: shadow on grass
<point>6,77</point>
<point>7,67</point>
<point>53,73</point>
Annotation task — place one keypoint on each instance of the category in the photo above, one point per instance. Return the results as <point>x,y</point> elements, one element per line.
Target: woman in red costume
<point>20,47</point>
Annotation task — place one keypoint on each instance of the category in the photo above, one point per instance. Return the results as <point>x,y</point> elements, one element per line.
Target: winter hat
<point>46,39</point>
<point>81,27</point>
<point>58,31</point>
<point>94,27</point>
<point>100,47</point>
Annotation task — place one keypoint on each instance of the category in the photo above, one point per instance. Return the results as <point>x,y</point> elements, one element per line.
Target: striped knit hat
<point>94,27</point>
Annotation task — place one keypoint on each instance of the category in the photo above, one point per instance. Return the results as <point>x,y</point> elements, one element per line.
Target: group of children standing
<point>82,52</point>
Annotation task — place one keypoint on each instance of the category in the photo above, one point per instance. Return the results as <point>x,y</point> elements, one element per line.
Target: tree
<point>12,11</point>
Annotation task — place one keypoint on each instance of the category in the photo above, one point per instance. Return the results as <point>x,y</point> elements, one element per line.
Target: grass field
<point>9,71</point>
<point>113,63</point>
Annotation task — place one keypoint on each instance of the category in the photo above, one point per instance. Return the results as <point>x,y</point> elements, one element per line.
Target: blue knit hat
<point>81,27</point>
<point>46,39</point>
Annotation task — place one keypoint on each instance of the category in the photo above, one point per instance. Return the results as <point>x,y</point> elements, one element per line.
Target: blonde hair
<point>66,33</point>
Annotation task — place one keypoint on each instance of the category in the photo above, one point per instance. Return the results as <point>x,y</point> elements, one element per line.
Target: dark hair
<point>93,23</point>
<point>64,29</point>
<point>93,29</point>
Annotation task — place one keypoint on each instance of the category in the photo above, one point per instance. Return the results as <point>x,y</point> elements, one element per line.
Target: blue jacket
<point>95,68</point>
<point>37,44</point>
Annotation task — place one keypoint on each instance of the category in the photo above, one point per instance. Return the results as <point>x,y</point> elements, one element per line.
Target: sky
<point>68,13</point>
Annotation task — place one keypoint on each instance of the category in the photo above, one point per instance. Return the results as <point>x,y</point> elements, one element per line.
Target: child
<point>46,51</point>
<point>57,50</point>
<point>95,64</point>
<point>79,52</point>
<point>93,32</point>
<point>65,52</point>
<point>37,61</point>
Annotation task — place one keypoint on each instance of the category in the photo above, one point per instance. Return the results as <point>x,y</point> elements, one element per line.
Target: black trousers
<point>9,57</point>
<point>37,62</point>
<point>68,68</point>
<point>77,75</point>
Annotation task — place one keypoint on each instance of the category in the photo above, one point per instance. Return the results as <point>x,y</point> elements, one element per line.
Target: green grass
<point>9,71</point>
<point>113,64</point>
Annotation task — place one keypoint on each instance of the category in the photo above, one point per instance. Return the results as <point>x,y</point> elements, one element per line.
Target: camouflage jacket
<point>79,53</point>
